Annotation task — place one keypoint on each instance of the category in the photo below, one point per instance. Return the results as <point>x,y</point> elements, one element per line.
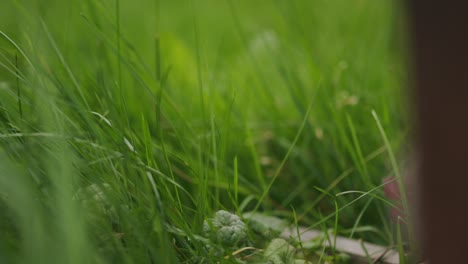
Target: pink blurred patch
<point>392,193</point>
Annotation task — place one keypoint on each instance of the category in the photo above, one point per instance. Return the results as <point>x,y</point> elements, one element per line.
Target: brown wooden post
<point>439,35</point>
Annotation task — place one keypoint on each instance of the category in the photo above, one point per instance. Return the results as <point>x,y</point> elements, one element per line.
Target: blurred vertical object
<point>439,36</point>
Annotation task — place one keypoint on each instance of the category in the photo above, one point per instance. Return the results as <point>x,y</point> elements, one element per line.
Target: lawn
<point>126,125</point>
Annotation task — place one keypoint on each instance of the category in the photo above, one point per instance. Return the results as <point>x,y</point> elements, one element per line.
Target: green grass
<point>173,110</point>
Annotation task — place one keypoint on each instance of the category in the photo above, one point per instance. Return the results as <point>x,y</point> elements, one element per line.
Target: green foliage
<point>225,228</point>
<point>124,125</point>
<point>228,239</point>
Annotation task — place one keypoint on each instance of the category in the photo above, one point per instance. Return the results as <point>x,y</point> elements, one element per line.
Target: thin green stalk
<point>117,24</point>
<point>400,244</point>
<point>18,49</point>
<point>157,58</point>
<point>358,219</point>
<point>215,158</point>
<point>236,185</point>
<point>157,41</point>
<point>18,90</point>
<point>198,60</point>
<point>66,66</point>
<point>357,146</point>
<point>366,252</point>
<point>123,103</point>
<point>396,169</point>
<point>335,228</point>
<point>255,161</point>
<point>364,194</point>
<point>298,233</point>
<point>163,144</point>
<point>399,179</point>
<point>280,167</point>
